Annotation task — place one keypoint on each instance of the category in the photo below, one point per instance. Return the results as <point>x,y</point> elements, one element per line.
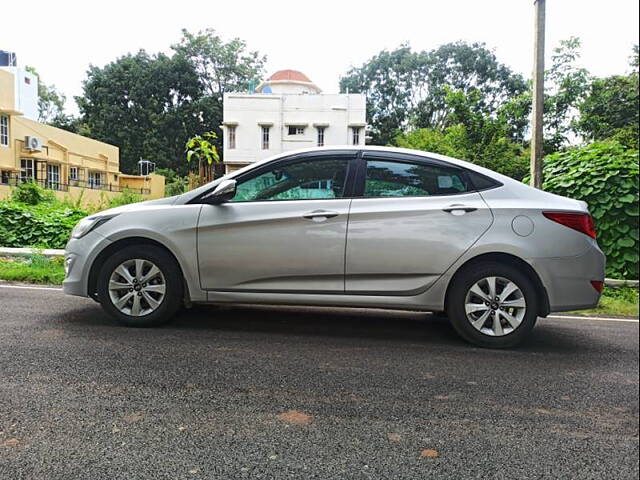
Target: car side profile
<point>353,227</point>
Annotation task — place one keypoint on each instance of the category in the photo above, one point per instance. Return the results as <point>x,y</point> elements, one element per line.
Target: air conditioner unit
<point>33,144</point>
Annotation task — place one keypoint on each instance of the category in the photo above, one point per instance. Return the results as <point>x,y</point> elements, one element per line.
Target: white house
<point>288,112</point>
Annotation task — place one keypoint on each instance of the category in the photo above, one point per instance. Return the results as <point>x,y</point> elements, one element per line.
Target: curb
<point>23,252</point>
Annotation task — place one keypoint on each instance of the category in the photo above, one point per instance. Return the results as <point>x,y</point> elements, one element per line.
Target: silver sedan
<point>355,227</point>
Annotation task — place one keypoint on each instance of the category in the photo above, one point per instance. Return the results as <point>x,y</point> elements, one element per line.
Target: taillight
<point>582,222</point>
<point>598,285</point>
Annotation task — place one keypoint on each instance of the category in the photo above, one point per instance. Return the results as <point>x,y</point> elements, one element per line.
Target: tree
<point>565,87</point>
<point>205,152</point>
<point>473,136</point>
<point>610,109</point>
<point>151,105</point>
<point>148,105</point>
<point>407,89</point>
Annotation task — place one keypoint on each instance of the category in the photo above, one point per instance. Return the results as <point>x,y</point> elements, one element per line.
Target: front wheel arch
<point>92,284</point>
<point>508,259</point>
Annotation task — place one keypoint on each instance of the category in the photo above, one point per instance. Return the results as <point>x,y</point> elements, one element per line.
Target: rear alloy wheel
<point>140,286</point>
<point>495,306</point>
<point>492,305</point>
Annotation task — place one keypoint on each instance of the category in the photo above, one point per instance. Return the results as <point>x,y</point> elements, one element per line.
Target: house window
<point>321,136</point>
<point>265,138</point>
<point>4,130</point>
<point>27,172</point>
<point>355,135</point>
<point>53,177</point>
<point>232,137</point>
<point>294,130</point>
<point>73,173</point>
<point>95,179</point>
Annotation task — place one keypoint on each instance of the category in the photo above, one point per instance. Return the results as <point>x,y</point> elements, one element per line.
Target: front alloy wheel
<point>140,286</point>
<point>137,287</point>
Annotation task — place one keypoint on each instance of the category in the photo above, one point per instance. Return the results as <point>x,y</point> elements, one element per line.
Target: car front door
<point>284,231</point>
<point>413,220</point>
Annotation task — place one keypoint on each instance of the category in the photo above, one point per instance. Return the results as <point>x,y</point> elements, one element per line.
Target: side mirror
<point>224,192</point>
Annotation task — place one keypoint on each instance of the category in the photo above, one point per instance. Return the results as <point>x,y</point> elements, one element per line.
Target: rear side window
<point>403,179</point>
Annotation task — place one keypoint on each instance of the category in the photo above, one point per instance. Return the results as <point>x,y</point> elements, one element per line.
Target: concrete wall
<point>25,91</point>
<point>337,113</point>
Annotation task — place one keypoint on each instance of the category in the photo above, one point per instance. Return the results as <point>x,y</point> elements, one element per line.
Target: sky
<point>322,39</point>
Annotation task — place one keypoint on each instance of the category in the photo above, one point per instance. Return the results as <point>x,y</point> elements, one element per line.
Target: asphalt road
<point>230,392</point>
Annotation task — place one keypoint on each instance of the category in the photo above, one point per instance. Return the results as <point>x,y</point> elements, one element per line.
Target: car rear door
<point>412,220</point>
<point>284,231</point>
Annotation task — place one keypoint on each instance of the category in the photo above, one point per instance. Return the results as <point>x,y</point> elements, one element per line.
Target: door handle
<point>459,209</point>
<point>320,215</point>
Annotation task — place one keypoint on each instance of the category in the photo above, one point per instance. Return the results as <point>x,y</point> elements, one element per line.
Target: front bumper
<point>79,257</point>
<point>568,279</point>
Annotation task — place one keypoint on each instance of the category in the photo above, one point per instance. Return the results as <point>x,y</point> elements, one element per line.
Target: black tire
<point>172,299</point>
<point>456,298</point>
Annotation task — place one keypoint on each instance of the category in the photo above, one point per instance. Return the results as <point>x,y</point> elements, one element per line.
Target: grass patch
<point>617,302</point>
<point>33,269</point>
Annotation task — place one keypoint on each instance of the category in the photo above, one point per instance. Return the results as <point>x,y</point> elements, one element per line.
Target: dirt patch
<point>294,417</point>
<point>429,453</point>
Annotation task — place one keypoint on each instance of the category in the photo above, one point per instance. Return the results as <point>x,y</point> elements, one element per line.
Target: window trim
<point>417,160</point>
<point>231,137</point>
<point>320,136</point>
<point>51,183</point>
<point>351,155</point>
<point>5,124</point>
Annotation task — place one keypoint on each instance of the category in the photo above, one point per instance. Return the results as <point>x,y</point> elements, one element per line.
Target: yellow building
<point>71,165</point>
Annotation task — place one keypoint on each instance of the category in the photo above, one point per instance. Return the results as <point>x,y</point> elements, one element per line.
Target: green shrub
<point>125,198</point>
<point>46,225</point>
<point>605,175</point>
<point>31,194</point>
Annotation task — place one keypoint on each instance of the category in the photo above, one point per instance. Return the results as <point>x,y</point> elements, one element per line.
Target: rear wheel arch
<point>509,259</point>
<point>119,245</point>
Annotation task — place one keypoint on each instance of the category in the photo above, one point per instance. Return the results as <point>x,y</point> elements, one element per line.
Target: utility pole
<point>538,95</point>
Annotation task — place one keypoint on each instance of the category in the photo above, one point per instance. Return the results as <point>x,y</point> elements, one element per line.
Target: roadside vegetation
<point>32,269</point>
<point>33,217</point>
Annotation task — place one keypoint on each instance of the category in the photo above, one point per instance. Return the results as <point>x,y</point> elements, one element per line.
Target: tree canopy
<point>150,105</point>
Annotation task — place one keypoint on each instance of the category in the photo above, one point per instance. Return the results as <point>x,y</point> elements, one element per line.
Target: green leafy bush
<point>31,194</point>
<point>605,175</point>
<point>125,198</point>
<point>46,225</point>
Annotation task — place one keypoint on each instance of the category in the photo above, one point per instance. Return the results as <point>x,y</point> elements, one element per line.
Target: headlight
<point>87,224</point>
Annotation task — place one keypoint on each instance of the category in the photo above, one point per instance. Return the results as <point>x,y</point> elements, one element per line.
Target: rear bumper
<point>568,279</point>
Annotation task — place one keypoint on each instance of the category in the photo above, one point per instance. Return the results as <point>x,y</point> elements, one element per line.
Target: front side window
<point>232,137</point>
<point>53,177</point>
<point>306,180</point>
<point>4,130</point>
<point>399,179</point>
<point>27,172</point>
<point>321,136</point>
<point>265,138</point>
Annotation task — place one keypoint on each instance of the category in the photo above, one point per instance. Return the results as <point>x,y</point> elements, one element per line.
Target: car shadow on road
<point>339,323</point>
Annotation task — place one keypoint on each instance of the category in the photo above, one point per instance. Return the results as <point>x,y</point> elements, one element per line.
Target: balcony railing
<point>49,184</point>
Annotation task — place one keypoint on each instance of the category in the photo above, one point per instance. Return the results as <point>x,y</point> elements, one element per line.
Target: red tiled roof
<point>289,75</point>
